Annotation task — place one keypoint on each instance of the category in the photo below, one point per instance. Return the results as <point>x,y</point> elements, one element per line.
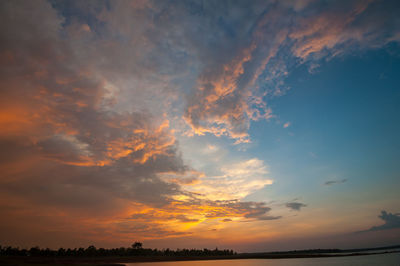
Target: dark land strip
<point>120,261</point>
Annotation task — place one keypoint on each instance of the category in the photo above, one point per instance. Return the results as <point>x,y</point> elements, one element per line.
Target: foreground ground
<point>119,261</point>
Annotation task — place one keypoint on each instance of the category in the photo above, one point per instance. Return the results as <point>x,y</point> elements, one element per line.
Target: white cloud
<point>236,181</point>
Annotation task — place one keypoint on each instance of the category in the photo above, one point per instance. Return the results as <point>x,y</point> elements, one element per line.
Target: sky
<point>248,125</point>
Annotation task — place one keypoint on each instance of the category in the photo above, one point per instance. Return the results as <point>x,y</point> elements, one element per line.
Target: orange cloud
<point>325,30</point>
<point>219,108</point>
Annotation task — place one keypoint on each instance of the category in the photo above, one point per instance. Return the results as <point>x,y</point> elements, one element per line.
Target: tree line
<point>135,250</point>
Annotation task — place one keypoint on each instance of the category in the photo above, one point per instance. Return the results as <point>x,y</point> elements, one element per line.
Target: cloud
<point>295,206</point>
<point>74,152</point>
<point>90,136</point>
<point>391,221</point>
<point>224,102</point>
<point>336,28</point>
<point>78,151</point>
<point>235,181</point>
<point>235,208</point>
<point>334,182</point>
<point>268,218</point>
<point>160,216</point>
<point>227,96</point>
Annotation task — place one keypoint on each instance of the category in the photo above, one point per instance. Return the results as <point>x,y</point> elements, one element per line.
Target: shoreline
<point>120,261</point>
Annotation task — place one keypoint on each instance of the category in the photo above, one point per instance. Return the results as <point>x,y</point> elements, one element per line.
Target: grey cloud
<point>391,221</point>
<point>235,208</point>
<point>72,129</point>
<point>333,182</point>
<point>58,148</point>
<point>296,206</point>
<point>257,213</point>
<point>268,218</point>
<point>95,189</point>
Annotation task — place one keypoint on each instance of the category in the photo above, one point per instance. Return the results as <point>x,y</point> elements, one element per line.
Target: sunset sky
<point>248,125</point>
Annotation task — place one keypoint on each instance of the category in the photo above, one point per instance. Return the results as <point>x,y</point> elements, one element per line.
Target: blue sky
<point>344,124</point>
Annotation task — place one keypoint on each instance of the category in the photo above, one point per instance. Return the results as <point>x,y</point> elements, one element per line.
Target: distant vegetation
<point>135,250</point>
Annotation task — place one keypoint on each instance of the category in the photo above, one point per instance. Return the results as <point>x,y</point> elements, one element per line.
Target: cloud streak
<point>295,206</point>
<point>334,182</point>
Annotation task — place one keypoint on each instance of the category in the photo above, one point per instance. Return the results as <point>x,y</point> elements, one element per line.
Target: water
<point>392,259</point>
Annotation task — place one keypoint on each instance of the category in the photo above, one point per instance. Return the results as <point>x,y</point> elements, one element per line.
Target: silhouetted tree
<point>137,245</point>
<point>135,250</point>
